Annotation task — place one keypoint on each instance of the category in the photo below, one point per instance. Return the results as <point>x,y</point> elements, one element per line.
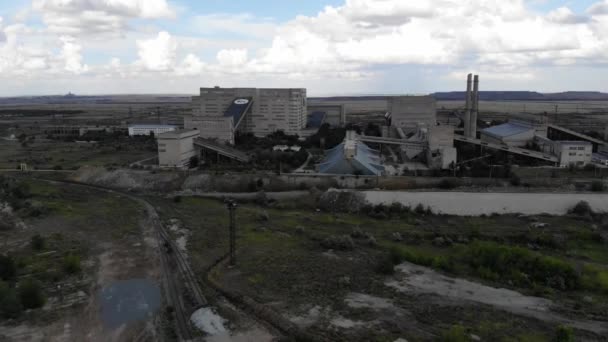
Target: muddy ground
<point>338,293</point>
<point>115,243</point>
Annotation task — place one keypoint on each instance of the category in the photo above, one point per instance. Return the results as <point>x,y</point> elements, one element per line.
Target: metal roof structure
<point>575,142</point>
<point>351,157</point>
<point>506,130</point>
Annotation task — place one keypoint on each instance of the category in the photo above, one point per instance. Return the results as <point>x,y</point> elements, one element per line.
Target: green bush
<point>564,334</point>
<point>448,184</point>
<point>386,266</point>
<point>10,306</point>
<point>8,269</point>
<point>420,209</point>
<point>597,186</point>
<point>582,208</point>
<point>31,295</point>
<point>520,266</point>
<point>37,242</point>
<point>71,264</point>
<point>515,180</point>
<point>457,333</point>
<point>595,278</point>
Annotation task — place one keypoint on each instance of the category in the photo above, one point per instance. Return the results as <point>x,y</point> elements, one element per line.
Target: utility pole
<point>231,205</point>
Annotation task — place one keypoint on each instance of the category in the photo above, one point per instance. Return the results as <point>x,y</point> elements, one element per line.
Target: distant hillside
<point>525,96</point>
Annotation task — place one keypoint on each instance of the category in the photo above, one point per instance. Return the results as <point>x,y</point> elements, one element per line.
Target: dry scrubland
<point>334,274</point>
<point>71,155</point>
<point>70,242</point>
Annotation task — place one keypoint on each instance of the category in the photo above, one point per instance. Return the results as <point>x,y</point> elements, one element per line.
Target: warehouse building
<point>176,148</point>
<point>510,133</point>
<point>248,110</point>
<point>146,129</point>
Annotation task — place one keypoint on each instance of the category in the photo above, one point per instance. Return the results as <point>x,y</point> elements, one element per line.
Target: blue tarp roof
<point>237,109</point>
<point>506,130</point>
<point>366,161</point>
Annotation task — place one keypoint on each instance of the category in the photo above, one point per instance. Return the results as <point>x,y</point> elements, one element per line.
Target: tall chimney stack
<point>475,109</point>
<point>467,107</point>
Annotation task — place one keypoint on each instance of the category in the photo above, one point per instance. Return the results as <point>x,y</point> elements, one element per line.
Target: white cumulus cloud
<point>157,54</point>
<point>232,57</point>
<point>75,17</point>
<point>71,55</point>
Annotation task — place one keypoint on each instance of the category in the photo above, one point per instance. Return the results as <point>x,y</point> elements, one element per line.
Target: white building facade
<point>144,129</point>
<point>176,148</point>
<point>577,153</point>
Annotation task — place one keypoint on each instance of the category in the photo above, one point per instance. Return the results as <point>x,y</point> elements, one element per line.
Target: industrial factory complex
<point>410,133</point>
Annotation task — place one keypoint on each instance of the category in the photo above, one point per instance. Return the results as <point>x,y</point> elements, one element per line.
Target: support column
<point>467,108</point>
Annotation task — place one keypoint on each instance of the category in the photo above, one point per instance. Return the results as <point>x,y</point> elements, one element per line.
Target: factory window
<point>572,154</point>
<point>582,148</point>
<point>162,150</point>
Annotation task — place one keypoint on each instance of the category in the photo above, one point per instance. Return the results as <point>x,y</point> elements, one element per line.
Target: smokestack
<point>467,107</point>
<point>475,109</point>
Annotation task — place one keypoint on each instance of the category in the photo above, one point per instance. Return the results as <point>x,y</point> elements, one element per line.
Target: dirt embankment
<point>194,183</point>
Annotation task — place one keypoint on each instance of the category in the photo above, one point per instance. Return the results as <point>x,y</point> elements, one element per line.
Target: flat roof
<point>180,133</point>
<point>507,129</point>
<point>575,142</point>
<point>151,126</point>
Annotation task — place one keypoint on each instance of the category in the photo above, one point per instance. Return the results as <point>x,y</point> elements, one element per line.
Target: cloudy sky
<point>327,46</point>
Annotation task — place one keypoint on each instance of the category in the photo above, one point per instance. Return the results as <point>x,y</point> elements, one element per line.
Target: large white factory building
<point>220,112</point>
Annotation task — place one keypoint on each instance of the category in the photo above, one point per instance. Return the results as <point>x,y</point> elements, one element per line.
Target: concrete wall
<point>411,111</point>
<point>220,128</point>
<point>176,149</point>
<point>574,153</point>
<point>353,106</point>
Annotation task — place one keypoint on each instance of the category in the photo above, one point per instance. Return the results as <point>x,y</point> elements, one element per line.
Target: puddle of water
<point>127,301</point>
<point>208,321</point>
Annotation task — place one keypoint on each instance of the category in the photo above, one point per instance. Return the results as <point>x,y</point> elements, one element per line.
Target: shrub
<point>71,264</point>
<point>597,186</point>
<point>582,208</point>
<point>31,294</point>
<point>515,180</point>
<point>386,266</point>
<point>420,209</point>
<point>595,278</point>
<point>447,184</point>
<point>10,306</point>
<point>564,334</point>
<point>37,242</point>
<point>8,269</point>
<point>520,266</point>
<point>177,199</point>
<point>338,242</point>
<point>457,333</point>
